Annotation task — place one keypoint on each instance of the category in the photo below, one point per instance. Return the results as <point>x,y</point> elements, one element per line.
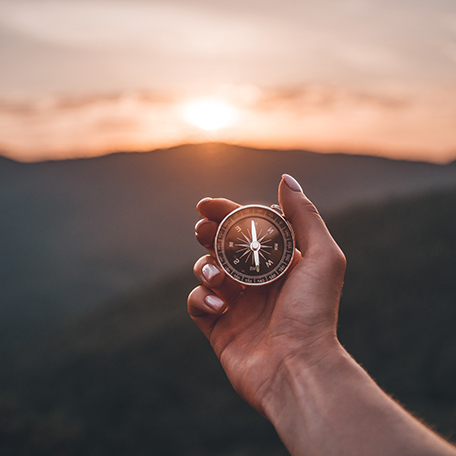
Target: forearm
<point>332,407</point>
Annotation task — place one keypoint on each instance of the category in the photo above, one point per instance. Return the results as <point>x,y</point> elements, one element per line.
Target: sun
<point>209,114</point>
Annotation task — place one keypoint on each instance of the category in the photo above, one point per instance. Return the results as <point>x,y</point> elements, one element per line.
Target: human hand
<point>254,331</point>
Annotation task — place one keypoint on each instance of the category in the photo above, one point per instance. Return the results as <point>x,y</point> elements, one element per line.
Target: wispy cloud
<point>347,75</point>
<point>319,117</point>
<point>154,44</point>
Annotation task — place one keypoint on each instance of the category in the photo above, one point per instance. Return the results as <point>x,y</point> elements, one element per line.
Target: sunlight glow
<point>209,114</point>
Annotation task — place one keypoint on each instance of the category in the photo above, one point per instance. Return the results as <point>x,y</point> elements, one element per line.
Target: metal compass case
<point>255,244</point>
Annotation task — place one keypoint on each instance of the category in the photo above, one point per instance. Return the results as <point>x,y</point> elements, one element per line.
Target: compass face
<point>254,245</point>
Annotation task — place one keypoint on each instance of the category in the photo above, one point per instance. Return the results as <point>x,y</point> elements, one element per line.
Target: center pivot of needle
<point>255,245</point>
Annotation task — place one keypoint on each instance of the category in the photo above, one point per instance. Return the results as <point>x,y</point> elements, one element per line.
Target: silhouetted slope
<point>136,376</point>
<point>73,233</point>
<point>398,310</point>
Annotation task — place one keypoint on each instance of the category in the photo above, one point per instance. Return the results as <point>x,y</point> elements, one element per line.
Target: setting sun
<point>209,114</point>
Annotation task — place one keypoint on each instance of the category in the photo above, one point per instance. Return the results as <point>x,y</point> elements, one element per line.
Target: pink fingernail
<point>292,183</point>
<point>210,271</point>
<point>214,301</point>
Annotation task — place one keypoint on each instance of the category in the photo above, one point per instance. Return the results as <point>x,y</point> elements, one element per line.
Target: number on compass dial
<point>254,245</point>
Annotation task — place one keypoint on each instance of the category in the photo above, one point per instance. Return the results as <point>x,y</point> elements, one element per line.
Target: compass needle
<point>255,246</point>
<point>254,233</point>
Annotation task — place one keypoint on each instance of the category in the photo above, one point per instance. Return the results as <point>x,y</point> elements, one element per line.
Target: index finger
<point>216,209</point>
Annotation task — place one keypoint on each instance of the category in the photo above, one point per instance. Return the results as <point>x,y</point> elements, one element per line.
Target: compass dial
<point>254,245</point>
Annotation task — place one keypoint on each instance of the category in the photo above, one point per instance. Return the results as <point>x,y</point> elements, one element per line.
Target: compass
<point>254,244</point>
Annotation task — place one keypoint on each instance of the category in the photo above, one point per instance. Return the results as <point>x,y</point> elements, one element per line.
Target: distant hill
<point>136,377</point>
<point>74,233</point>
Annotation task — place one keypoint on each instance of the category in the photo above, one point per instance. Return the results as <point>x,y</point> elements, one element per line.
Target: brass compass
<point>254,244</point>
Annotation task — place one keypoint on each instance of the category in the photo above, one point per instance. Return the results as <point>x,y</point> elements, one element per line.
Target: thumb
<point>310,229</point>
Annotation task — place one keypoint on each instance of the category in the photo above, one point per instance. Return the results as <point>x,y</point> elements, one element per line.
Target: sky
<point>87,77</point>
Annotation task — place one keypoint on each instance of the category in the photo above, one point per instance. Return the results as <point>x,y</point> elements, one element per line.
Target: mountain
<point>135,376</point>
<point>74,233</point>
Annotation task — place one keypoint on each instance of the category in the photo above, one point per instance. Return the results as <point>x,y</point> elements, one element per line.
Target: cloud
<point>327,75</point>
<point>144,44</point>
<point>320,117</point>
<point>121,25</point>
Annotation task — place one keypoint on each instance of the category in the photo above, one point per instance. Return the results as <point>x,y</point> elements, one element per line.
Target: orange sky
<point>84,78</point>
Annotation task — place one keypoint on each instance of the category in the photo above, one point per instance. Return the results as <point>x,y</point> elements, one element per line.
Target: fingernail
<point>209,271</point>
<point>292,183</point>
<point>199,223</point>
<point>214,301</point>
<point>203,200</point>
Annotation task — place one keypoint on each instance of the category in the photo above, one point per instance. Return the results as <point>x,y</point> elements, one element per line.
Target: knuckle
<point>337,259</point>
<point>303,213</point>
<point>200,263</point>
<point>191,296</point>
<point>309,207</point>
<point>193,300</point>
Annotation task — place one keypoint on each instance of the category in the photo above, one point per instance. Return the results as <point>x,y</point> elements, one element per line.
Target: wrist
<point>298,367</point>
<point>299,385</point>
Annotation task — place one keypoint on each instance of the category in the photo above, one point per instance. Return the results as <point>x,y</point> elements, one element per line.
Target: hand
<point>278,346</point>
<point>255,330</point>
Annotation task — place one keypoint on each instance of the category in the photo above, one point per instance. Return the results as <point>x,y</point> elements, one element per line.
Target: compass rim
<point>279,274</point>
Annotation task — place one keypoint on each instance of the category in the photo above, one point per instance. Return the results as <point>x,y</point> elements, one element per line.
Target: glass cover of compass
<point>254,245</point>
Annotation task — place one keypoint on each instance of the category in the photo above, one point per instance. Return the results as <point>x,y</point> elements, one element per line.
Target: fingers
<point>209,274</point>
<point>216,209</point>
<point>205,231</point>
<point>208,302</point>
<point>206,269</point>
<point>205,308</point>
<point>311,232</point>
<point>307,224</point>
<point>203,302</point>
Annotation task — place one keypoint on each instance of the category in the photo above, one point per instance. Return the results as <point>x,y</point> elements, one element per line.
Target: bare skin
<point>279,348</point>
